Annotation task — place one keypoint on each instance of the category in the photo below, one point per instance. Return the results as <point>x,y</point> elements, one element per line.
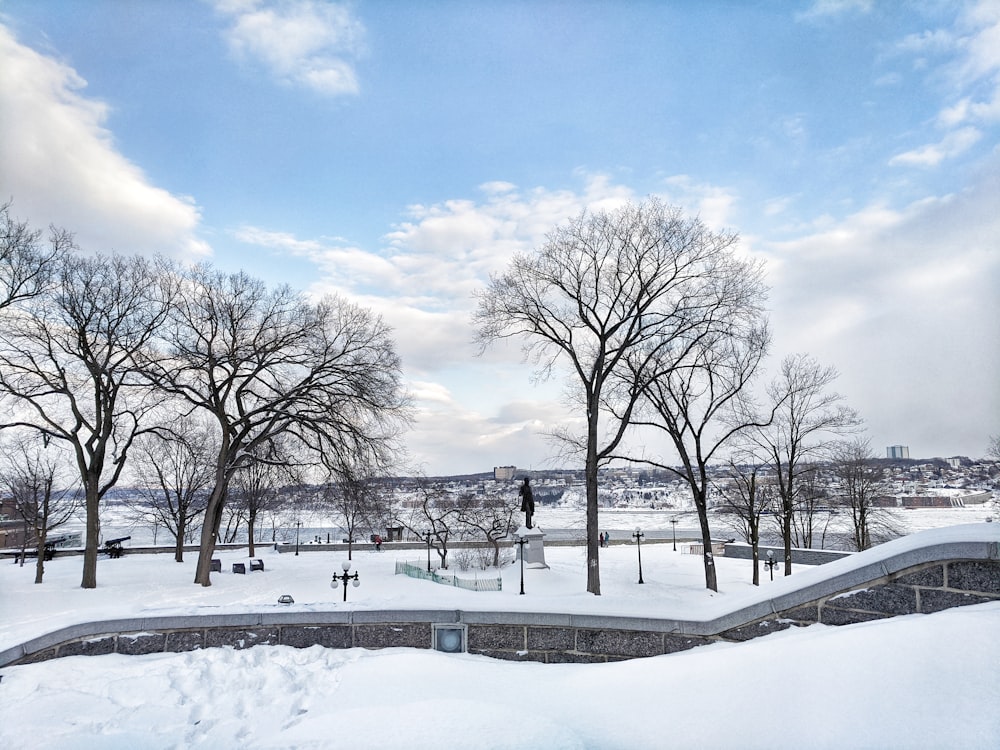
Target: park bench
<point>255,564</point>
<point>114,546</point>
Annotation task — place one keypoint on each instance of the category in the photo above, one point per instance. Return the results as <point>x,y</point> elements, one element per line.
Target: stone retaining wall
<point>854,596</point>
<point>800,556</point>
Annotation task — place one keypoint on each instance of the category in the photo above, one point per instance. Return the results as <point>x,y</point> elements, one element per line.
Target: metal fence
<point>416,570</point>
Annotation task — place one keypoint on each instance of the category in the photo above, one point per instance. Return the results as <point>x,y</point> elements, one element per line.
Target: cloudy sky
<point>397,153</point>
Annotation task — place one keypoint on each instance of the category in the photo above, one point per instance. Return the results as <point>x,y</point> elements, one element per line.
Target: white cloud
<point>955,143</point>
<point>423,280</point>
<point>970,74</point>
<point>833,8</point>
<point>306,43</point>
<point>451,436</point>
<point>61,166</point>
<point>713,204</point>
<point>904,304</point>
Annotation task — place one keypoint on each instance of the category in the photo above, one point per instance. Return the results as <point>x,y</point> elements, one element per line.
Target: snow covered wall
<point>920,573</point>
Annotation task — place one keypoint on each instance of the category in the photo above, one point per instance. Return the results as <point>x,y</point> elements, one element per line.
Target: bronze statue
<point>527,502</point>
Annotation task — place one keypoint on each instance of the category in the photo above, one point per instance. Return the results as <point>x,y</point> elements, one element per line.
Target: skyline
<point>397,154</point>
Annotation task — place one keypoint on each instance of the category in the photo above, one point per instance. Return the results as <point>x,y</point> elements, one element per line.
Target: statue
<point>527,502</point>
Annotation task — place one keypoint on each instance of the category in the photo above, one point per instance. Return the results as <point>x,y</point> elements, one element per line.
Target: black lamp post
<point>521,541</point>
<point>298,525</point>
<point>427,534</point>
<point>345,577</point>
<point>770,562</point>
<point>673,522</point>
<point>638,548</point>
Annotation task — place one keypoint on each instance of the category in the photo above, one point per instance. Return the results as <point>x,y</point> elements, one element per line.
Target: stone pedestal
<point>534,550</point>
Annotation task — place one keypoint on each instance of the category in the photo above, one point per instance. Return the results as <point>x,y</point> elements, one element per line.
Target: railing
<point>415,570</point>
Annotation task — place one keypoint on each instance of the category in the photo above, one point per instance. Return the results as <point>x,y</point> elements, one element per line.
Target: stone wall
<point>742,551</point>
<point>553,638</point>
<point>896,578</point>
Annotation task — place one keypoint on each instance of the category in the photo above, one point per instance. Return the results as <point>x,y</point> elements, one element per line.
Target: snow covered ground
<point>921,681</point>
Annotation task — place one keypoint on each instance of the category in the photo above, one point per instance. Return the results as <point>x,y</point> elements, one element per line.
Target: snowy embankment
<point>916,681</point>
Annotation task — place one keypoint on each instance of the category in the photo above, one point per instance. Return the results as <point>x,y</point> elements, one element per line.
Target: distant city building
<point>504,473</point>
<point>897,451</point>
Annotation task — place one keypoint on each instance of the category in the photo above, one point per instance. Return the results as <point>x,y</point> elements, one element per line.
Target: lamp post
<point>345,577</point>
<point>673,522</point>
<point>521,541</point>
<point>298,525</point>
<point>427,534</point>
<point>638,548</point>
<point>770,562</point>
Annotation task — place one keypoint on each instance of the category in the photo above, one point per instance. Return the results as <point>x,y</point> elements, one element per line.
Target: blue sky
<point>397,153</point>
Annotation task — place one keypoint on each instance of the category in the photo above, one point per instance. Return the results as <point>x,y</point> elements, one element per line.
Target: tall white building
<point>504,473</point>
<point>897,451</point>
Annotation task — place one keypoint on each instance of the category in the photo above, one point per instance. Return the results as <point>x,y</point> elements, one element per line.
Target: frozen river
<point>569,523</point>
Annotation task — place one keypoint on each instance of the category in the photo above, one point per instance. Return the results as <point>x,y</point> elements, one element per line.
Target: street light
<point>522,542</point>
<point>298,525</point>
<point>770,562</point>
<point>673,522</point>
<point>638,548</point>
<point>428,540</point>
<point>345,577</point>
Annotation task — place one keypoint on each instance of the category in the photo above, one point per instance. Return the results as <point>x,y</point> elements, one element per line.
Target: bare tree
<point>27,266</point>
<point>807,420</point>
<point>436,517</point>
<point>265,363</point>
<point>69,364</point>
<point>748,495</point>
<point>599,290</point>
<point>352,494</point>
<point>42,494</point>
<point>699,397</point>
<point>174,471</point>
<point>492,515</point>
<point>862,482</point>
<point>256,487</point>
<point>812,512</point>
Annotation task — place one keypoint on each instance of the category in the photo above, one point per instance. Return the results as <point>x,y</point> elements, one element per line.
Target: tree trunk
<point>179,539</point>
<point>40,534</point>
<point>593,564</point>
<point>209,535</point>
<point>711,577</point>
<point>251,522</point>
<point>786,535</point>
<point>93,534</point>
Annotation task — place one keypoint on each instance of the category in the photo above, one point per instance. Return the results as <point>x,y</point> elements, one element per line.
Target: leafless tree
<point>352,493</point>
<point>599,290</point>
<point>812,511</point>
<point>43,496</point>
<point>27,266</point>
<point>69,362</point>
<point>698,394</point>
<point>862,481</point>
<point>807,420</point>
<point>436,513</point>
<point>490,513</point>
<point>748,495</point>
<point>265,363</point>
<point>173,469</point>
<point>256,488</point>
